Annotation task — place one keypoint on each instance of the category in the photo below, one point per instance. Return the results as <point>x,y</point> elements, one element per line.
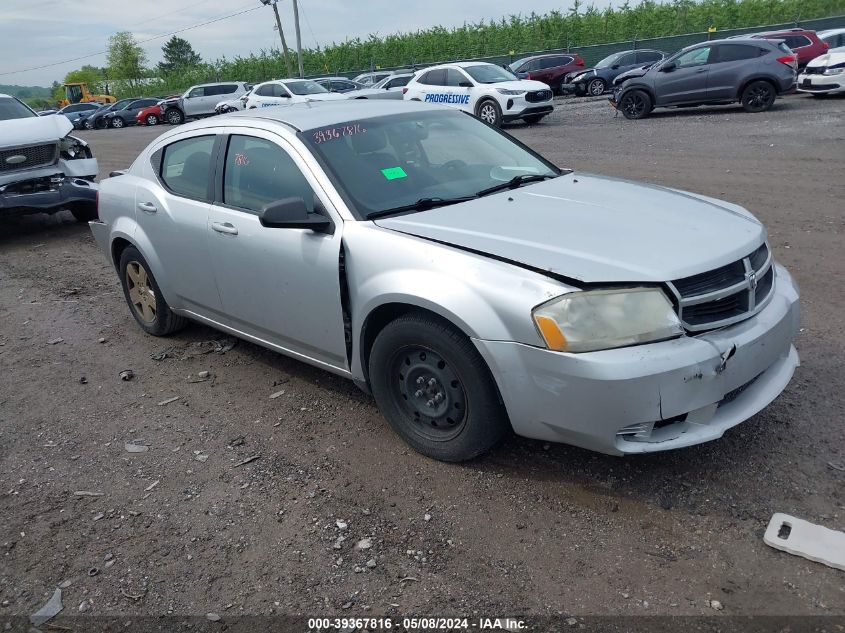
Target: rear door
<point>172,210</point>
<point>730,64</point>
<point>279,285</point>
<point>687,81</point>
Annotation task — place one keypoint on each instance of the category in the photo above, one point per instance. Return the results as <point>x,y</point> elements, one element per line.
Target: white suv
<point>200,101</point>
<point>490,92</point>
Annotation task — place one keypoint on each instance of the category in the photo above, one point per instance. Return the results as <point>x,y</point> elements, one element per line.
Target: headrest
<point>372,140</point>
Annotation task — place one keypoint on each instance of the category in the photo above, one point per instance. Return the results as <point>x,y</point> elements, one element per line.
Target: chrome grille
<point>30,157</point>
<point>725,295</point>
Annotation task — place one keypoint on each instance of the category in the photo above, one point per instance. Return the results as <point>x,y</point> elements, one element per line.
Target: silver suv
<point>199,101</point>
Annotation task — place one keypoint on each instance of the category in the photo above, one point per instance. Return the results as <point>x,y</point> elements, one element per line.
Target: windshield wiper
<point>423,204</point>
<point>515,182</point>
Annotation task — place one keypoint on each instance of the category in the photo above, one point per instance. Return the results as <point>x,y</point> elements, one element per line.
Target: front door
<point>687,81</point>
<point>172,215</point>
<point>280,285</point>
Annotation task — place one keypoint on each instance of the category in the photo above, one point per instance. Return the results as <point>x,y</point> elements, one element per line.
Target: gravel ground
<point>336,515</point>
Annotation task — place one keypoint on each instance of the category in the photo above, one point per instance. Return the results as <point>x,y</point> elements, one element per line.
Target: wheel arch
<point>754,78</point>
<point>121,240</point>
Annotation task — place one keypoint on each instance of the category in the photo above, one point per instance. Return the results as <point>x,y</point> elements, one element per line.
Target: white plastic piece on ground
<point>806,539</point>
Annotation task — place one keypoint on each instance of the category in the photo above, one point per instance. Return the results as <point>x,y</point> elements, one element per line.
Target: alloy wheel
<point>633,105</point>
<point>488,113</point>
<point>759,96</point>
<point>152,119</point>
<point>596,87</point>
<point>141,294</point>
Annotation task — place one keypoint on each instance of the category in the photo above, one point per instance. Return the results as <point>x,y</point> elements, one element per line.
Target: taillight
<point>825,45</point>
<point>580,62</point>
<point>788,59</point>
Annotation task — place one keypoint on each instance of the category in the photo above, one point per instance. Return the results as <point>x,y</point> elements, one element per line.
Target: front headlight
<point>833,71</point>
<point>508,91</point>
<point>603,319</point>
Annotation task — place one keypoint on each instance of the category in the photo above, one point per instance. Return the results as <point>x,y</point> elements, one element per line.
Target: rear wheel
<point>596,87</point>
<point>489,112</point>
<point>435,390</point>
<point>152,119</point>
<point>117,122</point>
<point>635,104</point>
<point>144,296</point>
<point>758,96</point>
<point>88,124</point>
<point>174,116</point>
<point>84,211</point>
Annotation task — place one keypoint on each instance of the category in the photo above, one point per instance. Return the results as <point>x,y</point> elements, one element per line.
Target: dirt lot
<point>531,529</point>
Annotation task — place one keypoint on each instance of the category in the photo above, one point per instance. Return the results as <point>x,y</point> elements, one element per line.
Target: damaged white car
<point>43,169</point>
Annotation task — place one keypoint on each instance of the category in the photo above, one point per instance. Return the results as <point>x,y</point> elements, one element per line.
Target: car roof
<point>781,32</point>
<point>6,96</point>
<point>827,32</point>
<point>314,114</point>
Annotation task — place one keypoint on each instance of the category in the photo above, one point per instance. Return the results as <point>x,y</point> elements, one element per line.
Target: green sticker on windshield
<point>392,173</point>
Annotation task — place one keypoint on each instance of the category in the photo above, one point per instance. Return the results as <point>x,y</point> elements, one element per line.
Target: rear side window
<point>648,57</point>
<point>186,165</point>
<point>797,41</point>
<point>627,60</point>
<point>259,172</point>
<point>695,57</point>
<point>265,90</point>
<point>224,89</point>
<point>398,82</point>
<point>736,52</point>
<point>784,48</point>
<point>434,77</point>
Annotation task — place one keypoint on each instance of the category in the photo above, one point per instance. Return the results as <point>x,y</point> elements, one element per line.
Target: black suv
<point>594,81</point>
<point>751,71</point>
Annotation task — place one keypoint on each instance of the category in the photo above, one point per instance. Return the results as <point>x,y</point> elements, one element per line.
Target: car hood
<point>34,130</point>
<point>630,74</point>
<point>834,59</point>
<point>582,73</point>
<point>595,229</point>
<point>519,84</point>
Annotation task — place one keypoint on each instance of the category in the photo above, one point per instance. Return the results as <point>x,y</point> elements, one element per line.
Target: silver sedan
<point>470,285</point>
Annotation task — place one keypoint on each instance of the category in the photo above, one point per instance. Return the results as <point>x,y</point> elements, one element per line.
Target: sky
<point>36,33</point>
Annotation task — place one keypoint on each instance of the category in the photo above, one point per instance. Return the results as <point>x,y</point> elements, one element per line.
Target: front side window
<point>455,77</point>
<point>259,172</point>
<point>610,60</point>
<point>186,165</point>
<point>489,74</point>
<point>11,108</point>
<point>196,92</point>
<point>627,60</point>
<point>695,57</point>
<point>388,162</point>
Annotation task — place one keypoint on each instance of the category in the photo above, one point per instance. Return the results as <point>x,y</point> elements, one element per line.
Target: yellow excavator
<point>78,93</point>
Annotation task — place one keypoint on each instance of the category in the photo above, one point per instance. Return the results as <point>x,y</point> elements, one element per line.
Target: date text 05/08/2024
<point>417,624</point>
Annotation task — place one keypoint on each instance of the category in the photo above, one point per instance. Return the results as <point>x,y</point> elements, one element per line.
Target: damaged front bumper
<point>45,194</point>
<point>651,397</point>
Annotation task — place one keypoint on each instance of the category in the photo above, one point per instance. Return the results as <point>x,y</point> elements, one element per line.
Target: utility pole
<point>298,37</point>
<point>281,34</point>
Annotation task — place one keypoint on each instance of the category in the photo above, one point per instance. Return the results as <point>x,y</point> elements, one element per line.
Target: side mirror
<point>668,67</point>
<point>465,84</point>
<point>291,213</point>
<point>614,67</point>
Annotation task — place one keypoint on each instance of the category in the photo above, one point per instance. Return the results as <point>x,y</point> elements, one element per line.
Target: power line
<point>308,22</point>
<point>149,39</point>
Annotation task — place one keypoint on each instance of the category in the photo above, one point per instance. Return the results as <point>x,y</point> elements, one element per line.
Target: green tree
<point>126,61</point>
<point>178,56</point>
<point>90,75</point>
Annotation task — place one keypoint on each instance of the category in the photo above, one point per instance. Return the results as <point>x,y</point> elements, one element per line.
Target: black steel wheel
<point>758,96</point>
<point>435,390</point>
<point>635,104</point>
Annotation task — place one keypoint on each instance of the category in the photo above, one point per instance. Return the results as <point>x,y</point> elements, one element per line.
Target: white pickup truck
<point>43,169</point>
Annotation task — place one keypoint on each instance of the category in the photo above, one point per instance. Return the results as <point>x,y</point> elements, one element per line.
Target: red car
<point>149,116</point>
<point>805,44</point>
<point>550,69</point>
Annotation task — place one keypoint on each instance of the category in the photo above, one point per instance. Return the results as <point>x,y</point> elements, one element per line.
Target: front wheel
<point>88,124</point>
<point>758,96</point>
<point>174,116</point>
<point>144,296</point>
<point>152,119</point>
<point>635,104</point>
<point>435,390</point>
<point>596,87</point>
<point>490,112</point>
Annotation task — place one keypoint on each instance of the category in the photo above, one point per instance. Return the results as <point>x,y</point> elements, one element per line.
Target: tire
<point>434,389</point>
<point>557,87</point>
<point>84,212</point>
<point>117,123</point>
<point>88,124</point>
<point>151,119</point>
<point>533,119</point>
<point>596,87</point>
<point>580,90</point>
<point>635,104</point>
<point>144,297</point>
<point>100,124</point>
<point>758,96</point>
<point>489,112</point>
<point>174,116</point>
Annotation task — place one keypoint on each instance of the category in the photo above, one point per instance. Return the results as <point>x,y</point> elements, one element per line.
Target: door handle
<point>147,207</point>
<point>224,227</point>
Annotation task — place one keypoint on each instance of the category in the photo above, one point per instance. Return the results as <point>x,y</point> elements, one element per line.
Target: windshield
<point>14,109</point>
<point>391,162</point>
<point>608,61</point>
<point>489,74</point>
<point>305,87</point>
